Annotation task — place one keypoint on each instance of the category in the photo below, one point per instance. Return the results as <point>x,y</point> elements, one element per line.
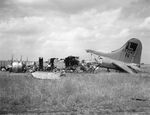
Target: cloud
<point>40,7</point>
<point>145,24</point>
<point>67,27</point>
<point>21,26</point>
<point>20,8</point>
<point>67,6</point>
<point>56,33</point>
<point>136,9</point>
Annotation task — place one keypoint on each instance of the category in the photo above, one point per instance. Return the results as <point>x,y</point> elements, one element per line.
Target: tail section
<point>130,52</point>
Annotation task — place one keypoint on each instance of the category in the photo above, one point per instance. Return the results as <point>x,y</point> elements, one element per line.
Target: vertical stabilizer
<point>129,53</point>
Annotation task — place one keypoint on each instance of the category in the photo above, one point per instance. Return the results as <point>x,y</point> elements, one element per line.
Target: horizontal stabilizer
<point>123,67</point>
<point>134,67</point>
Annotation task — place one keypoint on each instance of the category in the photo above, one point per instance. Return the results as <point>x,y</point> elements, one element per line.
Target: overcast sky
<point>59,28</point>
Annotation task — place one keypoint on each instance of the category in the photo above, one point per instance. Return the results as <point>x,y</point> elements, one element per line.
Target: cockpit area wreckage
<point>125,59</point>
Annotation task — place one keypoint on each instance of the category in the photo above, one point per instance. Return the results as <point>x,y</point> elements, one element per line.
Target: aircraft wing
<point>123,66</point>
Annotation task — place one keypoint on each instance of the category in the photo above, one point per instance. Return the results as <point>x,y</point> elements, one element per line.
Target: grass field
<point>76,94</point>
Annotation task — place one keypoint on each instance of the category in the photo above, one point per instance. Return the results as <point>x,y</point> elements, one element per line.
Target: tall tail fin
<point>130,52</point>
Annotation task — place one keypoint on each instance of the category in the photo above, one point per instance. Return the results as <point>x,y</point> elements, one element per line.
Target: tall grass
<point>83,93</point>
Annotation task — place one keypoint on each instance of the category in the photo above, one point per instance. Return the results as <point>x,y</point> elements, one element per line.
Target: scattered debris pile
<point>71,63</point>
